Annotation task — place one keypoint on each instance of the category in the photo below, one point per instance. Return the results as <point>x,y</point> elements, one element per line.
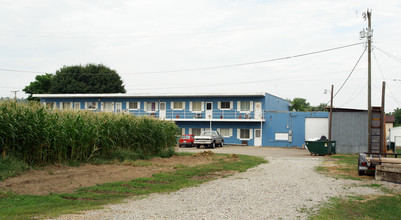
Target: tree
<point>321,107</point>
<point>90,78</point>
<point>299,104</point>
<point>397,117</point>
<point>41,85</point>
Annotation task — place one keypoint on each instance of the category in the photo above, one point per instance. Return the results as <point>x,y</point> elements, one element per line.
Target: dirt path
<point>285,188</point>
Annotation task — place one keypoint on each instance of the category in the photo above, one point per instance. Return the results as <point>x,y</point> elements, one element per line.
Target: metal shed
<point>350,130</point>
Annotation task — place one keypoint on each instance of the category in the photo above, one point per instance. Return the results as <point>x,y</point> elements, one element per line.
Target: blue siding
<point>283,122</point>
<point>274,103</point>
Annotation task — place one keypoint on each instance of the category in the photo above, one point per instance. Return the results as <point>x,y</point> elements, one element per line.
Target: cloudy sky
<point>173,46</point>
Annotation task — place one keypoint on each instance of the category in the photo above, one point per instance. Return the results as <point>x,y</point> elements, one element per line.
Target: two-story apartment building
<point>254,119</point>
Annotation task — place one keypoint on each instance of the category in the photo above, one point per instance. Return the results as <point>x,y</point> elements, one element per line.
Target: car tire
<point>180,145</point>
<point>213,145</point>
<point>198,146</point>
<point>222,144</point>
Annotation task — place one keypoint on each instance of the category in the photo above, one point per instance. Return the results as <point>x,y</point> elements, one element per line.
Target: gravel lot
<point>285,188</point>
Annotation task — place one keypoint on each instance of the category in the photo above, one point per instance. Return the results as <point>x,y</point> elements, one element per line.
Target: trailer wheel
<point>360,172</point>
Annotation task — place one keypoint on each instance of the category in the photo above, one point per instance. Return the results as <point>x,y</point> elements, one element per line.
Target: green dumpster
<point>321,147</point>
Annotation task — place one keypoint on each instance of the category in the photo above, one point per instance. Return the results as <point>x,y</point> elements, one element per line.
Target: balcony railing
<point>214,114</point>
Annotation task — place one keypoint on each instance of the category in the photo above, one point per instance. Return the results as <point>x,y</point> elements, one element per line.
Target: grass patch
<point>321,169</point>
<point>372,185</point>
<point>343,166</point>
<point>29,206</point>
<point>10,166</point>
<point>382,207</point>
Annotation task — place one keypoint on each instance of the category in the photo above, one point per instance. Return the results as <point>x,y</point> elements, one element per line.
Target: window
<point>91,105</point>
<point>197,106</point>
<point>244,134</point>
<point>151,106</point>
<point>67,105</point>
<point>50,105</point>
<point>178,106</point>
<point>196,131</point>
<point>225,132</point>
<point>225,105</point>
<point>108,106</point>
<point>245,106</point>
<point>133,105</point>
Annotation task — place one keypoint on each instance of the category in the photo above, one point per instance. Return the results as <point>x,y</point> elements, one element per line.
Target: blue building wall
<point>285,122</point>
<point>274,103</point>
<point>276,119</point>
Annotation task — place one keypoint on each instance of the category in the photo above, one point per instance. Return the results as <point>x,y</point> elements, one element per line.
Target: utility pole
<point>15,94</point>
<point>368,34</point>
<point>331,111</point>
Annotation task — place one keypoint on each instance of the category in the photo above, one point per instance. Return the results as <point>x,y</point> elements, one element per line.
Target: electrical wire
<point>388,86</point>
<point>356,64</point>
<point>213,67</point>
<point>388,54</point>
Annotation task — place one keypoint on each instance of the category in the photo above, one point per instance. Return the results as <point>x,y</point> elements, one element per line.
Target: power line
<point>388,54</point>
<point>213,67</point>
<point>248,63</point>
<point>388,87</point>
<point>349,74</point>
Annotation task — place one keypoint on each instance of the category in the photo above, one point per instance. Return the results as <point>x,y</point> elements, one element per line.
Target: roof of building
<point>146,95</point>
<point>348,110</point>
<point>390,119</point>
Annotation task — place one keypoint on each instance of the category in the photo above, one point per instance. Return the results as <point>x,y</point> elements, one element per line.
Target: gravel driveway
<point>285,188</point>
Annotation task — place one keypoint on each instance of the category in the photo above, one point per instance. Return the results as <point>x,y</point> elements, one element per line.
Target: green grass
<point>30,206</point>
<point>382,207</point>
<point>10,166</point>
<point>351,159</point>
<point>358,207</point>
<point>321,169</point>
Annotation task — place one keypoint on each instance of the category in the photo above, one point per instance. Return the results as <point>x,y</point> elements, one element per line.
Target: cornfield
<point>39,136</point>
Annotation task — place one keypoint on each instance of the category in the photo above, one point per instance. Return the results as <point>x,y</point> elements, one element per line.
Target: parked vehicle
<point>186,140</point>
<point>209,138</point>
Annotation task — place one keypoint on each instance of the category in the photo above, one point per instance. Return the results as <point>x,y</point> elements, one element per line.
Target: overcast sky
<point>142,40</point>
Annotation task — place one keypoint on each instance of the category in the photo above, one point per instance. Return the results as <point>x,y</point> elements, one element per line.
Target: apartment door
<point>162,110</point>
<point>258,138</point>
<point>119,107</point>
<point>209,110</point>
<point>258,110</point>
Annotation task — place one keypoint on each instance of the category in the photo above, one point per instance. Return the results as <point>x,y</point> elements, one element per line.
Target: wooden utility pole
<point>369,37</point>
<point>15,94</point>
<point>383,118</point>
<point>331,112</point>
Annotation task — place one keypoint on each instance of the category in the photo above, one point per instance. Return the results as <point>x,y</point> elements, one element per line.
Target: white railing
<point>186,114</point>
